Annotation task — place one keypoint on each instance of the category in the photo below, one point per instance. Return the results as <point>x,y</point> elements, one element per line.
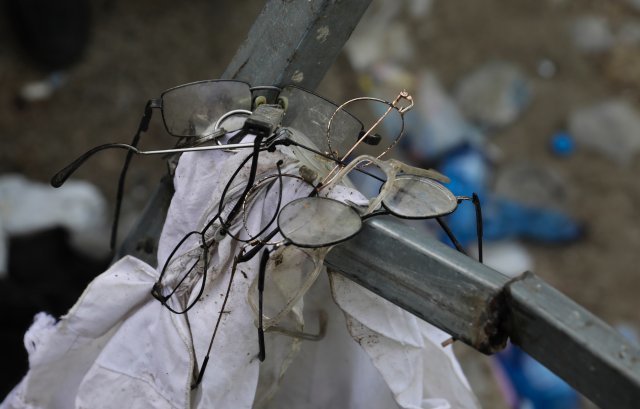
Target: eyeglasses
<point>168,290</point>
<point>320,222</point>
<point>194,110</point>
<point>203,111</point>
<point>309,225</point>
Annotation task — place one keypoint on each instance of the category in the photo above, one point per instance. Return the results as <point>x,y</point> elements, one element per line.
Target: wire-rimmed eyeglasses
<point>198,113</point>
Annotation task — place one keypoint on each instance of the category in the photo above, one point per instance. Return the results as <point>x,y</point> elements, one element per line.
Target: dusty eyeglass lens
<point>194,109</point>
<point>309,114</point>
<point>174,289</point>
<point>318,222</point>
<point>416,197</point>
<point>289,273</point>
<point>265,199</point>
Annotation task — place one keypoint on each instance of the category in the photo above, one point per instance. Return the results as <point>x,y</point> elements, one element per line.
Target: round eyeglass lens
<point>309,114</point>
<point>383,125</point>
<point>194,109</point>
<point>415,197</point>
<point>318,222</point>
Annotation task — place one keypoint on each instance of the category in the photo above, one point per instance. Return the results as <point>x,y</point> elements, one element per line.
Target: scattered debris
<point>546,68</point>
<point>494,95</point>
<point>623,66</point>
<point>509,257</point>
<point>28,207</point>
<point>437,125</point>
<point>592,34</point>
<point>41,90</point>
<point>528,384</point>
<point>629,33</point>
<point>380,36</point>
<point>609,127</point>
<point>635,4</point>
<point>532,185</point>
<point>562,144</point>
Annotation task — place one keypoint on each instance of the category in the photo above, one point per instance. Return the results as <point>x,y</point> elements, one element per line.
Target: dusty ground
<point>140,48</point>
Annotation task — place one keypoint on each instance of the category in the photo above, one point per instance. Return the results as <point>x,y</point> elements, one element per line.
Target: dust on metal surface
<point>576,345</point>
<point>429,279</point>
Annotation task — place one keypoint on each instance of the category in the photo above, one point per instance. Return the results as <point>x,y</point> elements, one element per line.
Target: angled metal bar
<point>291,42</point>
<point>481,307</point>
<point>295,42</point>
<point>142,241</point>
<point>427,278</point>
<point>579,347</point>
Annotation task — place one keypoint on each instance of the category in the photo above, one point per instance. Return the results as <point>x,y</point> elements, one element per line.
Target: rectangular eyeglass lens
<point>193,109</point>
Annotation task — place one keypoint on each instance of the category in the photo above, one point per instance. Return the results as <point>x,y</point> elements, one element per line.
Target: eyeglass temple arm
<point>262,123</point>
<point>475,199</point>
<point>445,227</point>
<point>203,367</point>
<point>263,267</point>
<point>59,178</point>
<point>322,325</point>
<point>142,127</point>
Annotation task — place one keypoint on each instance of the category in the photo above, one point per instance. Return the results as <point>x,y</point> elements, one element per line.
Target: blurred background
<point>532,104</point>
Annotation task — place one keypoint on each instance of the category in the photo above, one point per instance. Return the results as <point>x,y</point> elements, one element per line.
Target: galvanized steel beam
<point>295,42</point>
<point>427,278</point>
<point>481,307</point>
<point>573,343</point>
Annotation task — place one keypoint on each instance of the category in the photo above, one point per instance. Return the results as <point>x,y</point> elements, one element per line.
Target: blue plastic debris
<point>532,385</point>
<point>562,144</point>
<point>468,169</point>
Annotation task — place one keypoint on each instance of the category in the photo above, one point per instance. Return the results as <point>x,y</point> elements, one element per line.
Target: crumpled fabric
<point>119,347</point>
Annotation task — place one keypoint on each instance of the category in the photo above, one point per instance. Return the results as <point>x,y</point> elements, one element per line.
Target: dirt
<point>138,49</point>
<point>600,272</point>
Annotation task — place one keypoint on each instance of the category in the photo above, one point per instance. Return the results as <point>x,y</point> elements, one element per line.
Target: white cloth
<point>118,347</point>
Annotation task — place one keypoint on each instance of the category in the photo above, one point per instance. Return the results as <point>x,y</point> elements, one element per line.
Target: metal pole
<point>291,42</point>
<point>579,347</point>
<point>295,42</point>
<point>481,307</point>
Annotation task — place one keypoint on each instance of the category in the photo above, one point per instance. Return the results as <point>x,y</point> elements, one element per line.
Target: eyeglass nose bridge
<point>264,94</point>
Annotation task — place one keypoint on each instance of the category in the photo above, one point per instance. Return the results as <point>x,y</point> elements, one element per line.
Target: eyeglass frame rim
<point>159,102</point>
<point>317,257</point>
<point>333,243</point>
<point>409,176</point>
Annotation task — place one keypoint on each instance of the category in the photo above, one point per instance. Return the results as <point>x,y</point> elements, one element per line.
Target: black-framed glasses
<point>202,111</point>
<point>407,192</point>
<point>303,256</point>
<point>194,109</point>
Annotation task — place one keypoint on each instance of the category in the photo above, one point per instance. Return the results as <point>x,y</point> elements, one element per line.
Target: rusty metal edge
<point>427,278</point>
